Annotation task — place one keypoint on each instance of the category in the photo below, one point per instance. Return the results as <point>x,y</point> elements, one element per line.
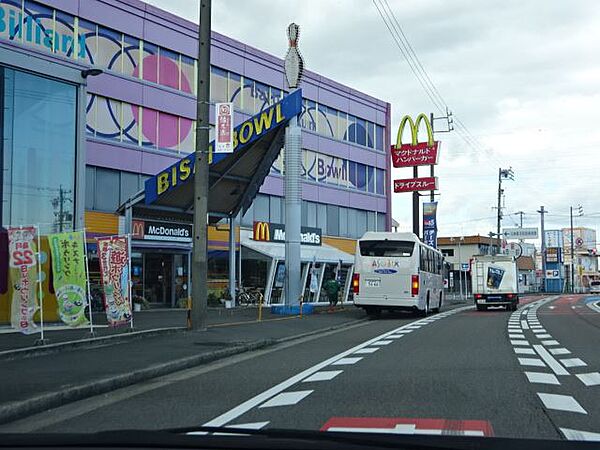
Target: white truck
<point>495,281</point>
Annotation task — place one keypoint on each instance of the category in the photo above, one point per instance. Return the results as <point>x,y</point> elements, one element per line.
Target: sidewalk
<point>161,320</point>
<point>37,383</point>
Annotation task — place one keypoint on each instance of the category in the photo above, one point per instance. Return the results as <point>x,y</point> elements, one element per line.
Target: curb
<point>19,409</point>
<point>28,352</point>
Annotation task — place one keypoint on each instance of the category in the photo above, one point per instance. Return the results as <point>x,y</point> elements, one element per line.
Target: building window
<point>371,218</point>
<point>370,134</point>
<point>261,208</point>
<point>38,150</point>
<point>322,216</point>
<point>379,137</point>
<point>106,190</point>
<point>380,181</point>
<point>312,215</point>
<point>343,227</point>
<point>218,85</point>
<point>276,207</point>
<point>448,252</point>
<point>361,222</point>
<point>333,220</point>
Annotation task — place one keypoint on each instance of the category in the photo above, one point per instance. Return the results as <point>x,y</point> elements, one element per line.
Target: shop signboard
<point>416,184</point>
<point>553,238</point>
<point>553,255</point>
<point>23,274</point>
<point>430,224</point>
<point>421,154</point>
<point>161,231</point>
<point>114,257</point>
<point>69,276</point>
<point>275,232</point>
<point>224,142</point>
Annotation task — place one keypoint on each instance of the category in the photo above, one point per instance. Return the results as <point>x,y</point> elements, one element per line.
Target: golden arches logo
<point>414,129</point>
<point>262,231</point>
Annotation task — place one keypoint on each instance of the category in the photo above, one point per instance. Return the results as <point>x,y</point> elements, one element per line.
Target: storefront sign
<point>69,276</point>
<point>275,232</point>
<point>416,184</point>
<point>553,238</point>
<point>421,154</point>
<point>161,231</point>
<point>430,224</point>
<point>224,142</point>
<point>553,255</point>
<point>23,265</point>
<point>113,254</point>
<point>244,134</point>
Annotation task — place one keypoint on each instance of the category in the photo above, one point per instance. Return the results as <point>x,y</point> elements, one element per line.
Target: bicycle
<point>248,297</point>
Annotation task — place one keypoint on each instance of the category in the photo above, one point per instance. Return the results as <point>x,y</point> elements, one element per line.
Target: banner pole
<point>87,280</point>
<point>130,280</point>
<point>40,289</point>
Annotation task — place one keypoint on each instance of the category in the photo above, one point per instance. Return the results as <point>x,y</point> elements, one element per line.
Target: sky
<point>523,77</point>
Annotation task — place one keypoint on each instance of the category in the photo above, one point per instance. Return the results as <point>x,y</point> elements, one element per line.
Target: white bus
<point>396,271</point>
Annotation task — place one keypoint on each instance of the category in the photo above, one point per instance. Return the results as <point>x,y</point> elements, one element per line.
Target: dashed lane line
<point>573,362</point>
<point>324,375</point>
<point>286,399</point>
<point>589,379</point>
<point>561,403</point>
<point>543,378</point>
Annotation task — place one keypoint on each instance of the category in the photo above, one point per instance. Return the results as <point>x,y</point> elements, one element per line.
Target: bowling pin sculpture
<point>293,64</point>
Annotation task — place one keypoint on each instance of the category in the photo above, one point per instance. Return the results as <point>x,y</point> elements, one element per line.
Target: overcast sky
<point>524,77</point>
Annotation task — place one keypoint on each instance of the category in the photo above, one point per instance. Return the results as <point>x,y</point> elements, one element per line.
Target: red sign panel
<point>404,425</point>
<point>416,184</point>
<point>409,155</point>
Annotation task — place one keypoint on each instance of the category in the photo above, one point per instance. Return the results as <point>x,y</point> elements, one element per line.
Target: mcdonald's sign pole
<point>199,272</point>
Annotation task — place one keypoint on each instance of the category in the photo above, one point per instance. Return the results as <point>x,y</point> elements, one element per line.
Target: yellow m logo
<point>261,231</point>
<point>414,129</point>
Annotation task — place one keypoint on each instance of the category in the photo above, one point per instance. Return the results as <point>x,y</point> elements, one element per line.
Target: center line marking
<point>552,363</point>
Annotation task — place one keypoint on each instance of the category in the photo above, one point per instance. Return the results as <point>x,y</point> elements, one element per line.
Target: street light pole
<point>200,244</point>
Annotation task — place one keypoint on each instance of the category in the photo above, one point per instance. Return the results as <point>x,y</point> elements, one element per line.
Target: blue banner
<point>430,224</point>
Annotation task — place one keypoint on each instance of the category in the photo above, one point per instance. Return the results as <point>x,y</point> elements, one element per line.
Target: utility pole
<point>503,174</point>
<point>200,244</point>
<point>432,119</point>
<point>542,211</point>
<point>579,213</point>
<point>520,213</point>
<point>416,214</point>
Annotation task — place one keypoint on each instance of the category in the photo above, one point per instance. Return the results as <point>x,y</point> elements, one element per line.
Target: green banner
<point>69,275</point>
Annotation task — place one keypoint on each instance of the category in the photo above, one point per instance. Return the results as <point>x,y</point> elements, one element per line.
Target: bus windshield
<point>387,248</point>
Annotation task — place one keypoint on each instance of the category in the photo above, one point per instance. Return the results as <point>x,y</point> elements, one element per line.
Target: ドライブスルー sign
<point>416,184</point>
<point>275,232</point>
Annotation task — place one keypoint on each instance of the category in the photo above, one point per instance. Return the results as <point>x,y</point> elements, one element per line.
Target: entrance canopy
<point>234,178</point>
<point>308,253</point>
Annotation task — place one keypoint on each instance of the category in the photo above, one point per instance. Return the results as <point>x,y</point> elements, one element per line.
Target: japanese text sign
<point>224,142</point>
<point>113,253</point>
<point>421,154</point>
<point>416,184</point>
<point>23,272</point>
<point>69,276</point>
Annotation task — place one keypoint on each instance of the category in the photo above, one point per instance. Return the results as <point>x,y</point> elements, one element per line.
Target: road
<point>533,373</point>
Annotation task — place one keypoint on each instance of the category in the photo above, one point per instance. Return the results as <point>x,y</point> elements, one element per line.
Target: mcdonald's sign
<point>416,153</point>
<point>262,231</point>
<point>137,229</point>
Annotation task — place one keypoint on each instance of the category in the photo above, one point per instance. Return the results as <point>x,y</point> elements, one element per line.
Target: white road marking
<point>539,377</point>
<point>551,307</point>
<point>382,343</point>
<point>286,399</point>
<point>589,379</point>
<point>248,426</point>
<point>514,329</point>
<point>366,350</point>
<point>559,351</point>
<point>396,336</point>
<point>576,435</point>
<point>594,306</point>
<point>538,331</point>
<point>573,362</point>
<point>405,331</point>
<point>324,375</point>
<point>524,325</point>
<point>550,342</point>
<point>524,343</point>
<point>561,403</point>
<point>346,361</point>
<point>531,362</point>
<point>548,359</point>
<point>249,404</point>
<point>544,336</point>
<point>405,428</point>
<point>524,351</point>
<point>516,336</point>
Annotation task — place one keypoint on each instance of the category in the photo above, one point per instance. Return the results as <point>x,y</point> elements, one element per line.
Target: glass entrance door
<point>158,279</point>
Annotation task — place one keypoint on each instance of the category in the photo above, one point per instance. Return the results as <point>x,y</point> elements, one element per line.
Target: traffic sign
<point>579,242</point>
<point>520,233</point>
<point>464,267</point>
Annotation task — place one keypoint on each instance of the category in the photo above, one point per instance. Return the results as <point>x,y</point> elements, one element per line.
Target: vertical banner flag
<point>22,254</point>
<point>224,142</point>
<point>430,224</point>
<point>113,253</point>
<point>69,276</point>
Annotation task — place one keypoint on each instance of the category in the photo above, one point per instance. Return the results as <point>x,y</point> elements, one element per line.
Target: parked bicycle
<point>248,297</point>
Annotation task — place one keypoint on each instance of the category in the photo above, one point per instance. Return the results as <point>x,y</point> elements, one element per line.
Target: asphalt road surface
<point>532,373</point>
